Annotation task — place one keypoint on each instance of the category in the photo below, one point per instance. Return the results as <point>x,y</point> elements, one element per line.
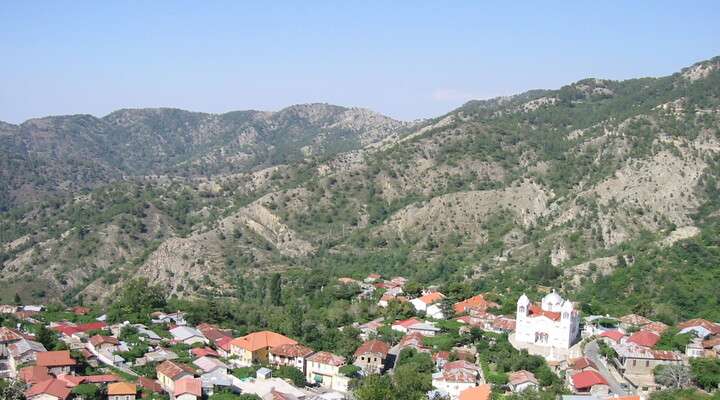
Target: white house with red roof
<point>554,323</point>
<point>429,304</point>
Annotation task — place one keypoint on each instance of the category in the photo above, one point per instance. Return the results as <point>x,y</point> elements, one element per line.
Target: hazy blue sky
<point>406,59</point>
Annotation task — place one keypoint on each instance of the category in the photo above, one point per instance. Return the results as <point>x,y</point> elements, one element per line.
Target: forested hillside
<point>605,189</point>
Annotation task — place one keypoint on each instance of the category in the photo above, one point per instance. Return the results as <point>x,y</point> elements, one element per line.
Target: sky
<point>405,59</point>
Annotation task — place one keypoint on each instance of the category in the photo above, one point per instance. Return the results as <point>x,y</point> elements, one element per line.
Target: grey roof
<point>23,346</point>
<point>216,378</point>
<point>209,364</point>
<point>185,332</point>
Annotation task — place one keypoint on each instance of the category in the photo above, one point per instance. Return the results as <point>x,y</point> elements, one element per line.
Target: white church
<point>553,324</point>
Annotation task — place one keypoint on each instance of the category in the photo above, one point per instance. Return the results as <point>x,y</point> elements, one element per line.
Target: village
<point>590,357</point>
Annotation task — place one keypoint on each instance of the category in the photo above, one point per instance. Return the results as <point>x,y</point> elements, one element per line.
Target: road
<point>592,352</point>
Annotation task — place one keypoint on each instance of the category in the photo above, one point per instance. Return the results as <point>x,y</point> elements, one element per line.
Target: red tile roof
<point>149,384</point>
<point>644,338</point>
<point>52,387</point>
<point>373,346</point>
<point>482,392</point>
<point>204,352</point>
<point>587,379</point>
<point>460,371</point>
<point>98,340</point>
<point>224,343</point>
<point>520,377</point>
<point>323,357</point>
<point>261,340</point>
<point>52,359</point>
<point>414,339</point>
<point>405,323</point>
<point>291,350</point>
<point>441,355</point>
<point>581,363</point>
<point>613,334</point>
<point>188,386</point>
<point>476,302</point>
<point>101,378</point>
<point>71,380</point>
<point>537,311</point>
<point>34,374</point>
<point>174,370</point>
<point>712,327</point>
<point>505,324</point>
<point>9,335</point>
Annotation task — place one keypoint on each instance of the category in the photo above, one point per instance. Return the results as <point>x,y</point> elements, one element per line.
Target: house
<point>216,380</point>
<point>292,355</point>
<point>211,364</point>
<point>613,335</point>
<point>121,391</point>
<point>149,385</point>
<point>429,304</point>
<point>49,389</point>
<point>701,328</point>
<point>657,328</point>
<point>104,344</point>
<point>644,339</point>
<point>588,382</point>
<point>502,325</point>
<point>441,358</point>
<point>177,318</point>
<point>372,278</point>
<point>387,297</point>
<point>255,347</point>
<point>402,325</point>
<point>581,364</point>
<point>169,372</point>
<point>554,323</point>
<point>522,380</point>
<point>57,362</point>
<point>24,351</point>
<point>188,389</point>
<point>638,360</point>
<point>695,349</point>
<point>482,392</point>
<point>33,374</point>
<point>474,304</point>
<point>223,346</point>
<point>323,368</point>
<point>159,355</point>
<point>204,352</point>
<point>633,321</point>
<point>7,337</point>
<point>423,328</point>
<point>370,328</point>
<point>371,355</point>
<point>188,335</point>
<point>412,340</point>
<point>457,376</point>
<point>214,333</point>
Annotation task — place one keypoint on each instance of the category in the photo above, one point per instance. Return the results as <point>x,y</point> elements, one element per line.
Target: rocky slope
<point>572,178</point>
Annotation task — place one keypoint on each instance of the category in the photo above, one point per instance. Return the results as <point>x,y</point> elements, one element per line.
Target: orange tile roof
<point>482,392</point>
<point>432,298</point>
<point>476,302</point>
<point>54,359</point>
<point>97,340</point>
<point>261,340</point>
<point>9,335</point>
<point>522,376</point>
<point>537,311</point>
<point>52,387</point>
<point>121,389</point>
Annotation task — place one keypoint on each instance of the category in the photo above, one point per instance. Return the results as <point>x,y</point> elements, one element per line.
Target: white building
<point>554,323</point>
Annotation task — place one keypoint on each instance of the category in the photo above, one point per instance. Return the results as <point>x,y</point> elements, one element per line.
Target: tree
<point>137,299</point>
<point>292,373</point>
<point>46,337</point>
<point>375,387</point>
<point>11,390</point>
<point>17,300</point>
<point>411,384</point>
<point>706,372</point>
<point>275,289</point>
<point>673,376</point>
<point>87,392</point>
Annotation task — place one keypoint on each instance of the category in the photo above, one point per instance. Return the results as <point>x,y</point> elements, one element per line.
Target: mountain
<point>69,153</point>
<point>550,187</point>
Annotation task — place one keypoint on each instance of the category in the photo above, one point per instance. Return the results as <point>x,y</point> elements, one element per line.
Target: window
<point>647,363</point>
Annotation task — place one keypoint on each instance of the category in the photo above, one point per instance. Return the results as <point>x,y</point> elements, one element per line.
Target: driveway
<point>592,352</point>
